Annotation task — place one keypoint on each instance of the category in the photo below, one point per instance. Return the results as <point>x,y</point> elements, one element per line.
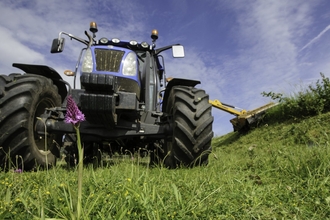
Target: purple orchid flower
<point>73,114</point>
<point>18,171</point>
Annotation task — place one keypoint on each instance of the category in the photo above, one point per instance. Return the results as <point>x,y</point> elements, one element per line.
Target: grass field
<point>280,170</point>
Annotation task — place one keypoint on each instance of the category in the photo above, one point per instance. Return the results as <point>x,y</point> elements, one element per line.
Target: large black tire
<point>190,143</point>
<point>23,98</point>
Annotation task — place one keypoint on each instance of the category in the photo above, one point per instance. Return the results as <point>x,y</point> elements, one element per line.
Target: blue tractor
<point>128,103</point>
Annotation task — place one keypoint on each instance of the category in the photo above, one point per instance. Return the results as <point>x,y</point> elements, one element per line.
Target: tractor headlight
<point>87,64</point>
<point>130,64</point>
<point>104,40</point>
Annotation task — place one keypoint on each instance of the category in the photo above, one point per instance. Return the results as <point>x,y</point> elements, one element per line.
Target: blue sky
<point>237,49</point>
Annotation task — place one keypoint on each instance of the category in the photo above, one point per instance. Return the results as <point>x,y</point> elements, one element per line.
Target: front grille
<point>99,82</point>
<point>108,60</point>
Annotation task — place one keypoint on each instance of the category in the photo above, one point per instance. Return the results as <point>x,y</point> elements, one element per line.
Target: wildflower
<point>18,171</point>
<point>73,114</point>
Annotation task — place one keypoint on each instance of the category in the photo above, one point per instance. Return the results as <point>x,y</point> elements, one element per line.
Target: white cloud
<point>27,28</point>
<point>268,35</point>
<point>15,51</point>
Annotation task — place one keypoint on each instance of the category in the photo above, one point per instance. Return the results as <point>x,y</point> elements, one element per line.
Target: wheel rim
<point>42,142</point>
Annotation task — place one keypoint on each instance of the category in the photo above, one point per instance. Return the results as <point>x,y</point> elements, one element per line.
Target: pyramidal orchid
<point>75,116</point>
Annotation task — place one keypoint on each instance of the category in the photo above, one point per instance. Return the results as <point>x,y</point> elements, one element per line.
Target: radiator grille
<point>108,60</point>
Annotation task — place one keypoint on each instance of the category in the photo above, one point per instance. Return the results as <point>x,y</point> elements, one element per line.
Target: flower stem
<point>80,172</point>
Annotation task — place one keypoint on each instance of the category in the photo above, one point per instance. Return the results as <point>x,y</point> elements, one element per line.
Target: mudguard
<point>177,82</point>
<point>47,72</point>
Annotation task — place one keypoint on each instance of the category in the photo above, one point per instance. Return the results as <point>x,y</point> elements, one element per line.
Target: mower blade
<point>243,122</point>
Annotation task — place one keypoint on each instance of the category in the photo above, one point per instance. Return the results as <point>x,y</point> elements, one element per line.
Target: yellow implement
<point>243,118</point>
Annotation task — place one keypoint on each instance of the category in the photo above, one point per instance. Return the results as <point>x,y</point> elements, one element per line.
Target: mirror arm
<point>73,37</point>
<point>164,48</point>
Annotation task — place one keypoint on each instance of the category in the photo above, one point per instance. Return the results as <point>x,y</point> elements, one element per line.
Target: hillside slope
<point>311,131</point>
<point>279,170</point>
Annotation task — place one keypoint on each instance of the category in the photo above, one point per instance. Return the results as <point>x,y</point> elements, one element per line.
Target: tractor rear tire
<point>190,143</point>
<point>23,98</point>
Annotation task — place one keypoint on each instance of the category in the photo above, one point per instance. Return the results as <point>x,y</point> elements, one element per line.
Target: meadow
<point>278,170</point>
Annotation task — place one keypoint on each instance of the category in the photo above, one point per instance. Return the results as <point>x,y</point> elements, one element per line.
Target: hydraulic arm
<point>243,118</point>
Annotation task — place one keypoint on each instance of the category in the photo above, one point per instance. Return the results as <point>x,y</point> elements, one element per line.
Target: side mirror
<point>57,45</point>
<point>178,51</point>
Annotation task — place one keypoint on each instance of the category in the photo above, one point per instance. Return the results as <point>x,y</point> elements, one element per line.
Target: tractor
<point>128,103</point>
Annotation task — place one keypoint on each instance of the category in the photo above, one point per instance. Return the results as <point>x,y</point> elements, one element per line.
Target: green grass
<point>280,170</point>
<point>289,166</point>
<point>266,174</point>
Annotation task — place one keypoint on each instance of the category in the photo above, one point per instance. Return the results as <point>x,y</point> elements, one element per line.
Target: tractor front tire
<point>190,142</point>
<point>23,98</point>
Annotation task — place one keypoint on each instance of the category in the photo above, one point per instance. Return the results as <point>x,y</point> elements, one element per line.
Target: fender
<point>47,72</point>
<point>177,82</point>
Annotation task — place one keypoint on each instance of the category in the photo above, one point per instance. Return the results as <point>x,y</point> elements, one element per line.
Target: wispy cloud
<point>28,29</point>
<point>267,34</point>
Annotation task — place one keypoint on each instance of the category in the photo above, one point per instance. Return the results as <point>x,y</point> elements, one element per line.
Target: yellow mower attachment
<point>244,118</point>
